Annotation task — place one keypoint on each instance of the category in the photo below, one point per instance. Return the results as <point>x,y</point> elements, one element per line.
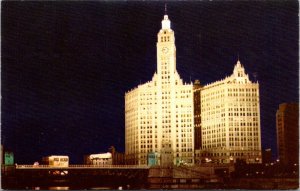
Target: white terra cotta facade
<point>159,113</point>
<point>230,120</point>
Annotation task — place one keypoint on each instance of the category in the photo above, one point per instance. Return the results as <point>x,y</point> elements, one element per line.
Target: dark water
<point>121,187</point>
<point>79,180</point>
<point>64,184</point>
<point>70,188</point>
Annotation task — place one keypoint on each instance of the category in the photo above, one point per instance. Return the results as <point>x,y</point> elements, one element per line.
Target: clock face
<point>165,50</point>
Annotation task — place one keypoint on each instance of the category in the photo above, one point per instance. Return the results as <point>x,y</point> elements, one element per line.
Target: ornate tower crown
<point>166,50</point>
<point>166,23</point>
<point>239,73</point>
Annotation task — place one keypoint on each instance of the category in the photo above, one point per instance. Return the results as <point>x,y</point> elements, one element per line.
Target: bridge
<point>22,176</point>
<point>79,177</point>
<point>28,167</point>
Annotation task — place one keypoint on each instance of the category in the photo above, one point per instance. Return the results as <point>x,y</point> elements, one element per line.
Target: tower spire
<point>165,8</point>
<point>166,24</point>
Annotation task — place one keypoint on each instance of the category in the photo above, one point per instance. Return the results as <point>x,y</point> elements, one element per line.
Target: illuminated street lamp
<point>207,160</point>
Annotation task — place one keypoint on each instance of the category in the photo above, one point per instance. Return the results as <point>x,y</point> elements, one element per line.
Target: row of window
<point>242,94</point>
<point>243,109</point>
<point>247,128</point>
<point>184,148</point>
<point>249,144</point>
<point>214,139</point>
<point>148,96</point>
<point>218,134</point>
<point>226,154</point>
<point>243,114</point>
<point>164,38</point>
<point>213,146</point>
<point>218,98</point>
<point>244,139</point>
<point>243,134</point>
<point>204,94</point>
<point>242,89</point>
<point>147,127</point>
<point>252,118</point>
<point>218,125</point>
<point>148,136</point>
<point>166,123</point>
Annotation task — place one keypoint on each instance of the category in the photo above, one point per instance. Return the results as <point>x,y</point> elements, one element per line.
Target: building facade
<point>118,158</point>
<point>287,125</point>
<point>56,161</point>
<point>98,159</point>
<point>159,113</point>
<point>230,120</point>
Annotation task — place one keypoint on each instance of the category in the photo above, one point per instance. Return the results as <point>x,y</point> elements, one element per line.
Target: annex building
<point>229,124</point>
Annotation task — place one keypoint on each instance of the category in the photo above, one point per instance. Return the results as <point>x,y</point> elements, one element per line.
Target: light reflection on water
<point>67,188</point>
<point>100,188</point>
<point>59,188</point>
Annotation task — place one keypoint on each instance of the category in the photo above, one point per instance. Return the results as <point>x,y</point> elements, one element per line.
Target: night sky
<point>65,66</point>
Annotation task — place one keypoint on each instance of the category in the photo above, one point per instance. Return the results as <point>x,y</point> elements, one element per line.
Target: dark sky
<point>67,65</point>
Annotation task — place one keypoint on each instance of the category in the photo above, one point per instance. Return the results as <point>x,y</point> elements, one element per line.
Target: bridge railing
<point>26,166</point>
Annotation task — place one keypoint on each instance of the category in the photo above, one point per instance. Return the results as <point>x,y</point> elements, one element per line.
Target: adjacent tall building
<point>287,124</point>
<point>230,120</point>
<point>159,114</point>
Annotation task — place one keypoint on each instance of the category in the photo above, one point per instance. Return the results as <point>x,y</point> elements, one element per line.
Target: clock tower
<point>166,50</point>
<point>167,79</point>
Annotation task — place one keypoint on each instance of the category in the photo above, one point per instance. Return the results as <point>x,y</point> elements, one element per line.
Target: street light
<point>207,160</point>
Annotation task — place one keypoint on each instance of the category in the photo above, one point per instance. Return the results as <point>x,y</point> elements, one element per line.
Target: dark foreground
<point>153,178</point>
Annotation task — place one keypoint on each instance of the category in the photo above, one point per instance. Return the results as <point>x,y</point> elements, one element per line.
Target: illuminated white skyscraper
<point>230,120</point>
<point>159,114</point>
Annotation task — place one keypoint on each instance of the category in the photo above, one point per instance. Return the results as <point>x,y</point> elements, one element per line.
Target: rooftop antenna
<point>255,76</point>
